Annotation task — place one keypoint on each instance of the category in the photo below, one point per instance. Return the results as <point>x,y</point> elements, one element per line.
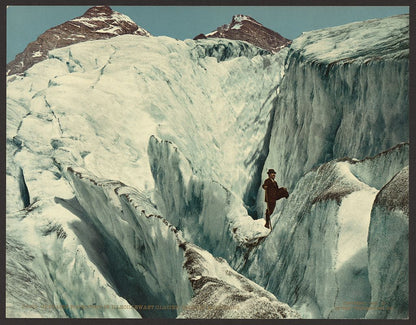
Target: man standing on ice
<point>272,194</point>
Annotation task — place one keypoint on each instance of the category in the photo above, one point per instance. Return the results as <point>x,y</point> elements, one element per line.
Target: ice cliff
<point>345,93</point>
<point>191,127</point>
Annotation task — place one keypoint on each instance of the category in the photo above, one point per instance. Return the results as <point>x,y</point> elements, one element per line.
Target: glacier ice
<point>169,271</point>
<point>208,214</point>
<point>191,127</point>
<point>221,292</point>
<point>55,270</point>
<point>322,231</point>
<point>79,105</point>
<point>338,99</point>
<point>388,250</point>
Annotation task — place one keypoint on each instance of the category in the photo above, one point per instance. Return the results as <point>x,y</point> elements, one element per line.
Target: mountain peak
<point>98,22</point>
<point>98,11</point>
<point>246,28</point>
<point>240,18</point>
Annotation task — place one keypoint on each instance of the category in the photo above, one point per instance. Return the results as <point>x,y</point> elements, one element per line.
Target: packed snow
<point>37,54</point>
<point>362,41</point>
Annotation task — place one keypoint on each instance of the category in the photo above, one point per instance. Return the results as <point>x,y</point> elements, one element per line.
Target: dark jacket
<point>271,190</point>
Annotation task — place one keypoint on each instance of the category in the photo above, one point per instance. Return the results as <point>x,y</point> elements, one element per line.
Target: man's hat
<point>271,171</point>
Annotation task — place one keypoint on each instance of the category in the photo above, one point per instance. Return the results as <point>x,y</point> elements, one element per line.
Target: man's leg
<point>269,211</point>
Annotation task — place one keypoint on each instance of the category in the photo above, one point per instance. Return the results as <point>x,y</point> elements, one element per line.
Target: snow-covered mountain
<point>99,22</point>
<point>245,28</point>
<point>134,167</point>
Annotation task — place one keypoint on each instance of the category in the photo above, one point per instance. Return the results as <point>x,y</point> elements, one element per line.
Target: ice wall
<point>315,259</point>
<point>57,266</point>
<point>224,50</point>
<point>149,254</point>
<point>388,250</point>
<point>205,114</point>
<point>345,93</point>
<point>208,214</point>
<point>84,96</point>
<point>162,269</point>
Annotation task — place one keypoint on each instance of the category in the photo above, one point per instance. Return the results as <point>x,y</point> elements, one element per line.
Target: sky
<point>26,23</point>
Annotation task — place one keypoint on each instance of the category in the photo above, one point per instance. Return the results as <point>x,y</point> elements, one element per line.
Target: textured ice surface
<point>388,250</point>
<point>145,255</point>
<point>315,259</point>
<point>362,41</point>
<point>94,106</point>
<point>162,268</point>
<point>351,101</point>
<point>209,214</point>
<point>57,266</point>
<point>221,292</point>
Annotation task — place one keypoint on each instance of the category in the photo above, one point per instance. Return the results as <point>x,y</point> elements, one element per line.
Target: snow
<point>354,218</point>
<point>237,26</point>
<point>37,54</point>
<point>212,33</point>
<point>316,259</point>
<point>130,221</point>
<point>242,18</point>
<point>118,17</point>
<point>388,37</point>
<point>115,19</point>
<point>67,275</point>
<point>79,103</point>
<point>111,29</point>
<point>220,292</point>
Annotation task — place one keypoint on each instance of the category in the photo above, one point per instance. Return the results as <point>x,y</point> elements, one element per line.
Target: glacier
<point>134,166</point>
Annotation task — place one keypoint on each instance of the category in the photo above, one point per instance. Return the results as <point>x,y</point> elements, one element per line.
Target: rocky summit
<point>245,28</point>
